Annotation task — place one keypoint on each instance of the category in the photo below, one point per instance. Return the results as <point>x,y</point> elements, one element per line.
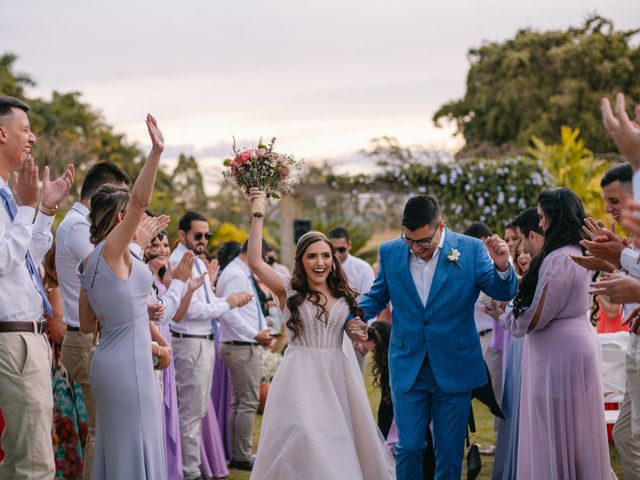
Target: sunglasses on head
<point>341,249</point>
<point>198,236</point>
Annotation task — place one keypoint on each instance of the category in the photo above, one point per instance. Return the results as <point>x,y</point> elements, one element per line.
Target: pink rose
<point>261,152</point>
<point>244,156</point>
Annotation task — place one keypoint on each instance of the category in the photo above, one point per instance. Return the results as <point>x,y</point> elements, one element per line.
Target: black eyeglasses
<point>423,242</point>
<point>341,249</point>
<point>198,236</point>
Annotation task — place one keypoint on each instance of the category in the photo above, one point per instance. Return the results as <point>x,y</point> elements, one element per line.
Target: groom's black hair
<point>528,221</point>
<point>421,211</point>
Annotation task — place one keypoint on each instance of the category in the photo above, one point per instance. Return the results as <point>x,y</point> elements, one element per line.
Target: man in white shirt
<point>73,246</point>
<point>192,341</point>
<point>272,259</point>
<point>26,397</point>
<point>359,276</point>
<point>243,331</point>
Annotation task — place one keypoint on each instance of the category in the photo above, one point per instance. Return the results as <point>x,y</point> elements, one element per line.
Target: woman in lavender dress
<point>562,428</point>
<point>115,288</point>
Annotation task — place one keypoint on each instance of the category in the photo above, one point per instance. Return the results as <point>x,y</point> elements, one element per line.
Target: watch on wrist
<point>49,211</point>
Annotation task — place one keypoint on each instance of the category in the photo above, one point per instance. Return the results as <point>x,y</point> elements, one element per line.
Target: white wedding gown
<point>317,423</point>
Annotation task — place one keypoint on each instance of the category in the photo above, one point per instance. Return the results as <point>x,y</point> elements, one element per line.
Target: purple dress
<point>562,427</point>
<point>212,447</point>
<point>172,448</point>
<point>212,453</point>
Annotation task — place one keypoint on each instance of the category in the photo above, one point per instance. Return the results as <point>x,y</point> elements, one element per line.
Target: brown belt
<point>33,327</point>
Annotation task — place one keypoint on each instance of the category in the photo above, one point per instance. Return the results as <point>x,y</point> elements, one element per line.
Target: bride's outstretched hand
<point>157,140</point>
<point>258,202</point>
<point>357,330</point>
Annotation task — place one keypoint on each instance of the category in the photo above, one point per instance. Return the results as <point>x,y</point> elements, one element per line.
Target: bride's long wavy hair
<point>336,281</point>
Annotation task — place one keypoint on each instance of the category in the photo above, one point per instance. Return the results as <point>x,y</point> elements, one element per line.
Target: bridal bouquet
<point>263,168</point>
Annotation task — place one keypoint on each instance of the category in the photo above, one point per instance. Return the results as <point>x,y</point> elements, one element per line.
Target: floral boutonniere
<point>454,257</point>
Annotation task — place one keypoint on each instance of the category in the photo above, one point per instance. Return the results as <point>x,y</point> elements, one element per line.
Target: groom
<point>433,276</point>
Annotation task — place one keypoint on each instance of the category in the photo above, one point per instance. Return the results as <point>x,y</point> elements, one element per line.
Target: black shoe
<point>246,465</point>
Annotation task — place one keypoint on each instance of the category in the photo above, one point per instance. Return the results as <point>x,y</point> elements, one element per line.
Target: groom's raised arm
<point>498,285</point>
<point>376,299</point>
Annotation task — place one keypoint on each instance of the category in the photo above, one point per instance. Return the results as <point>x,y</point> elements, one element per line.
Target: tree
<point>188,184</point>
<point>538,81</point>
<point>11,83</point>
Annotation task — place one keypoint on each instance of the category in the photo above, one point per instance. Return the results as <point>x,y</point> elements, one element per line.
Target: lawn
<point>484,436</point>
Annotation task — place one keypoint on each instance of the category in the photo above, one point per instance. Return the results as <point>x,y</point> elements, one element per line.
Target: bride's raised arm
<point>262,269</point>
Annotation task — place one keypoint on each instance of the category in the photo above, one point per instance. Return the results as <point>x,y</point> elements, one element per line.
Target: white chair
<point>614,373</point>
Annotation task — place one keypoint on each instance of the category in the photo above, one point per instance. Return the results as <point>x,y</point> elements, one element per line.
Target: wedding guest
<point>25,236</point>
<point>157,255</point>
<point>505,464</point>
<point>317,422</point>
<point>626,134</point>
<point>69,415</point>
<point>610,316</point>
<point>221,388</point>
<point>359,275</point>
<point>562,429</point>
<point>511,237</point>
<point>243,332</point>
<point>272,259</point>
<point>72,246</point>
<point>484,325</point>
<point>115,285</point>
<point>192,340</point>
<point>617,189</point>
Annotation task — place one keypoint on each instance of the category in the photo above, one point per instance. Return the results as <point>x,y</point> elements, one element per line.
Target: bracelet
<point>49,211</point>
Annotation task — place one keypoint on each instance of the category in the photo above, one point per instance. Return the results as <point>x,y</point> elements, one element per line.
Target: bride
<point>317,422</point>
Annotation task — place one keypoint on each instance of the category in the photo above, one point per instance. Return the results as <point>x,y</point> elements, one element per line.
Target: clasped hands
<point>357,330</point>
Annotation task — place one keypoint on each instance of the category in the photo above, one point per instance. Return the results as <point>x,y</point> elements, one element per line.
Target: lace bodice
<point>317,333</point>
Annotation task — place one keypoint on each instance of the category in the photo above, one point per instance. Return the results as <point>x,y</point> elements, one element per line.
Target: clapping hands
<point>624,131</point>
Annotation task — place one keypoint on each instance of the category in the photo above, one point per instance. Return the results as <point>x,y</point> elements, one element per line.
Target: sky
<point>323,77</point>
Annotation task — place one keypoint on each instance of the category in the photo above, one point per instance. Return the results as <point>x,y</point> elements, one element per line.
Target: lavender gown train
<point>129,437</point>
<point>562,428</point>
<point>317,423</point>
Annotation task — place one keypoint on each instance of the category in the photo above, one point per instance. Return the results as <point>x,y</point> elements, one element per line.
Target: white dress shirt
<point>19,298</point>
<point>202,312</point>
<point>72,247</point>
<point>243,323</point>
<point>423,272</point>
<point>359,274</point>
<point>170,297</point>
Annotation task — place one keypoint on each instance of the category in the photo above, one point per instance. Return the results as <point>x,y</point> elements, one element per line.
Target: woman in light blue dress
<point>115,288</point>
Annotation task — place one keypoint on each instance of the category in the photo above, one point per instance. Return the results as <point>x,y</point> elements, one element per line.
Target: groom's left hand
<point>498,251</point>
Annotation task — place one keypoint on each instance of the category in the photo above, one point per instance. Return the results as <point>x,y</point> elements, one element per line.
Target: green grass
<point>484,436</point>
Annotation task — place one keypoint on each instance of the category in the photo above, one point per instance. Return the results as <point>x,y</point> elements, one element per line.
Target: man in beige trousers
<point>26,397</point>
